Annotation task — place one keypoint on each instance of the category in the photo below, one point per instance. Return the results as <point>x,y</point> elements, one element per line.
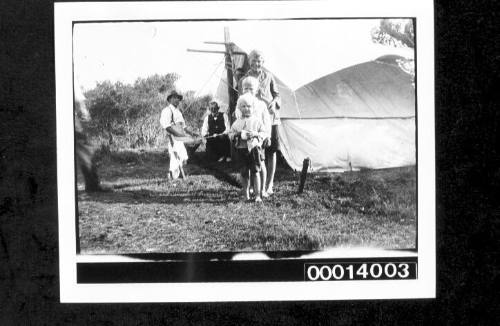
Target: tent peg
<point>305,166</point>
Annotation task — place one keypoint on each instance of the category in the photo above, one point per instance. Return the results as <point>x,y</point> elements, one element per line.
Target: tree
<point>193,109</point>
<point>104,108</point>
<point>395,32</point>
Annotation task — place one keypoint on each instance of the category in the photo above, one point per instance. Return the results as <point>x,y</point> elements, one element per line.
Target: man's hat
<point>172,94</point>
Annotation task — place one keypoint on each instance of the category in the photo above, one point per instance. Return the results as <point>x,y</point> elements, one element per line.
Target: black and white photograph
<point>241,151</point>
<point>270,162</point>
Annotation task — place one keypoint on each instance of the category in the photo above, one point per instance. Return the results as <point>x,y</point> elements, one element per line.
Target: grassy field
<point>142,211</point>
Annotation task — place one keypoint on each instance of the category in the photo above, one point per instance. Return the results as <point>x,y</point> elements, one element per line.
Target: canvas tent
<point>359,117</point>
<point>362,116</point>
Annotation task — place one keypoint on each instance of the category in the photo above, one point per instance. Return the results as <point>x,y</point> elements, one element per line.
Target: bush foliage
<point>128,116</point>
<point>395,32</point>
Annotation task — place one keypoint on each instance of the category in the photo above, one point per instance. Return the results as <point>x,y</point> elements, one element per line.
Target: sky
<point>297,52</point>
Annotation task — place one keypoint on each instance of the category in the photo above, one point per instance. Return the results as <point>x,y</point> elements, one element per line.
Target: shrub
<point>127,116</point>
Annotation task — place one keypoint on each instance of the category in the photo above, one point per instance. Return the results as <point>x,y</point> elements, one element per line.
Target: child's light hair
<point>248,99</point>
<point>250,81</point>
<point>255,54</point>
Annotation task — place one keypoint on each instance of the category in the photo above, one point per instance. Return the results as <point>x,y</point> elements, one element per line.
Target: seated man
<point>215,128</point>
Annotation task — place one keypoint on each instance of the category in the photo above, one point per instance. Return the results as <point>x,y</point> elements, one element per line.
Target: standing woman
<point>267,92</point>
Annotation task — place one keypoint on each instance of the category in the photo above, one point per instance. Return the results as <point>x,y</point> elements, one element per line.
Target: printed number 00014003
<point>360,271</point>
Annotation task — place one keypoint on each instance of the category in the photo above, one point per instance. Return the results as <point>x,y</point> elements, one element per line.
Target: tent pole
<point>230,88</point>
<point>229,70</point>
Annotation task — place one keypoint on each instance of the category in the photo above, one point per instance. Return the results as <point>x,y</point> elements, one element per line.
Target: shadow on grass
<point>131,156</point>
<point>180,197</point>
<point>150,163</point>
<point>135,184</point>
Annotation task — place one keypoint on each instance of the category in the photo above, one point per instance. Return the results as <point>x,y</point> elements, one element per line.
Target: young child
<point>251,85</point>
<point>247,133</point>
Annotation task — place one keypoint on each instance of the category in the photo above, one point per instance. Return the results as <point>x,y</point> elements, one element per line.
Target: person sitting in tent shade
<point>247,133</point>
<point>267,92</point>
<point>172,121</point>
<point>215,128</point>
<point>251,85</point>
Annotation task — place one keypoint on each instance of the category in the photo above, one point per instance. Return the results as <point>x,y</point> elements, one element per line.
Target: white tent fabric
<point>345,144</point>
<point>359,117</point>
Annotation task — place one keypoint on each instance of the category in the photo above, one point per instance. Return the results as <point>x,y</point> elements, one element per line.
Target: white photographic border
<point>424,286</point>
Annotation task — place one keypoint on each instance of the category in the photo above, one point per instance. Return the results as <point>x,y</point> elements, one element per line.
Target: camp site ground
<point>143,212</point>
